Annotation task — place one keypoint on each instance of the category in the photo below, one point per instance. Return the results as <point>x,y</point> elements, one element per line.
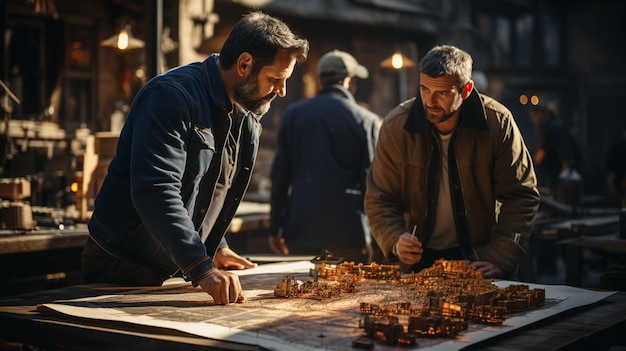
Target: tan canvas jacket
<point>494,187</point>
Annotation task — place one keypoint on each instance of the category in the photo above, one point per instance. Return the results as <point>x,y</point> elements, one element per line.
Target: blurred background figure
<point>325,147</point>
<point>555,154</point>
<point>615,164</point>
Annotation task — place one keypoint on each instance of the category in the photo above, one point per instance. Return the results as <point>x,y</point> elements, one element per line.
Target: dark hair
<point>328,79</point>
<point>448,60</point>
<point>262,36</point>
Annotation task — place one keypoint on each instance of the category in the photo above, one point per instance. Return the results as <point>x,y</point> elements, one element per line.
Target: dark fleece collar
<point>472,114</point>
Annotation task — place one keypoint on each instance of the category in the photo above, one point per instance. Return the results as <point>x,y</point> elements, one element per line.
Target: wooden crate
<point>14,188</point>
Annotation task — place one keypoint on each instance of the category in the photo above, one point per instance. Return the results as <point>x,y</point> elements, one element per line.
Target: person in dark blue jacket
<point>183,163</point>
<point>325,146</point>
<point>554,154</point>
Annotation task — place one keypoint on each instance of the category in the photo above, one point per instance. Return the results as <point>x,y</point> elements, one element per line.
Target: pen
<point>414,230</point>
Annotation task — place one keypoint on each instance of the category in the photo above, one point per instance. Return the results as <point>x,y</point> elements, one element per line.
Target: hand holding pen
<point>408,247</point>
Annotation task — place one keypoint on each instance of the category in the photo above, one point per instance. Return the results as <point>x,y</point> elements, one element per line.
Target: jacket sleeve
<point>372,130</point>
<point>517,198</point>
<point>158,163</point>
<point>383,193</point>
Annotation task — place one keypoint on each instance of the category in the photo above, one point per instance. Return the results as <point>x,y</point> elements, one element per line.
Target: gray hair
<point>447,60</point>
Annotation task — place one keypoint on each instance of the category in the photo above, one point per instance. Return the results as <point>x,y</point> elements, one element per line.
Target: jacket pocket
<point>200,151</point>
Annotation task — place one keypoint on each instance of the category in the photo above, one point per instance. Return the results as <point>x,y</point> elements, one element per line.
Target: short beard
<point>436,120</point>
<point>245,92</point>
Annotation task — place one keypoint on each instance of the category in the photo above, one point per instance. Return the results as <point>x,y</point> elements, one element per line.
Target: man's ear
<point>244,64</point>
<point>467,89</point>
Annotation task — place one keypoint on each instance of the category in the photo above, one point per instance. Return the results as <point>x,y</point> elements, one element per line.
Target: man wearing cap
<point>325,147</point>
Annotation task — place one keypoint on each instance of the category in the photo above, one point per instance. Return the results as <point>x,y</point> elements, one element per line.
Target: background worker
<point>554,151</point>
<point>325,146</point>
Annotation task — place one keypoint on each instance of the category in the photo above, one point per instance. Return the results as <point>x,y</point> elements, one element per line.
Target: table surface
<point>597,326</point>
<point>40,240</point>
<point>48,258</point>
<point>565,228</point>
<point>608,243</point>
<point>595,221</point>
<point>574,258</point>
<point>250,215</point>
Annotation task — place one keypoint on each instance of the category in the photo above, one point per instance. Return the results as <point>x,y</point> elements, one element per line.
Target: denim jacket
<point>152,206</point>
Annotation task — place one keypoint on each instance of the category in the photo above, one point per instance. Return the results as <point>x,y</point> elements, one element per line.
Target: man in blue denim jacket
<point>184,161</point>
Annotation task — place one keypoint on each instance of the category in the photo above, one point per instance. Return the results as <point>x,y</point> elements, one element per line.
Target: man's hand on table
<point>488,269</point>
<point>226,258</point>
<point>223,286</point>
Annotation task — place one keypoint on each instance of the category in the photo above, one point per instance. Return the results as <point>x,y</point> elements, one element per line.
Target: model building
<point>442,300</point>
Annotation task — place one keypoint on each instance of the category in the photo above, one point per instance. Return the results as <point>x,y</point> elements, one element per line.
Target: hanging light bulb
<point>397,61</point>
<point>123,40</point>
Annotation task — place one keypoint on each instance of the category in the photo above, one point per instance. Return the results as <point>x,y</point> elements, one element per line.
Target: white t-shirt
<point>444,232</point>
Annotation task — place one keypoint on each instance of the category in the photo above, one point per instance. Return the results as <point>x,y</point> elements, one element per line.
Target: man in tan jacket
<point>451,177</point>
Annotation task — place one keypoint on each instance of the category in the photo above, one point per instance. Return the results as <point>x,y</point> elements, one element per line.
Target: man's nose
<point>430,100</point>
<point>281,89</point>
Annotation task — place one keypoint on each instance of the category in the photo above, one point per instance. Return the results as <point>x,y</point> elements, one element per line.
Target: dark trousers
<point>101,267</point>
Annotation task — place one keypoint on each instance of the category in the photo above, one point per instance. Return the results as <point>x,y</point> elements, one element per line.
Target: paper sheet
<point>291,324</point>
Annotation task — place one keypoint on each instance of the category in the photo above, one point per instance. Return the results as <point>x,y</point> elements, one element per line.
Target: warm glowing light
<point>523,99</point>
<point>122,40</point>
<point>74,187</point>
<point>534,100</point>
<point>396,61</point>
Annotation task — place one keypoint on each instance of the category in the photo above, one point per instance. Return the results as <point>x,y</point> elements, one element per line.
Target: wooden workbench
<point>609,243</point>
<point>55,254</point>
<point>597,326</point>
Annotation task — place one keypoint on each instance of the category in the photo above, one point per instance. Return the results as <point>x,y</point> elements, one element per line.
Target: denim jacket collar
<point>216,86</point>
<point>338,90</point>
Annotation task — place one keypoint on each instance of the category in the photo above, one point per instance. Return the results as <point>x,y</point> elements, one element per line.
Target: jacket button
<point>203,210</point>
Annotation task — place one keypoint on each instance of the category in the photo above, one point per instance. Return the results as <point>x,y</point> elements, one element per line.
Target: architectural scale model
<point>442,300</point>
